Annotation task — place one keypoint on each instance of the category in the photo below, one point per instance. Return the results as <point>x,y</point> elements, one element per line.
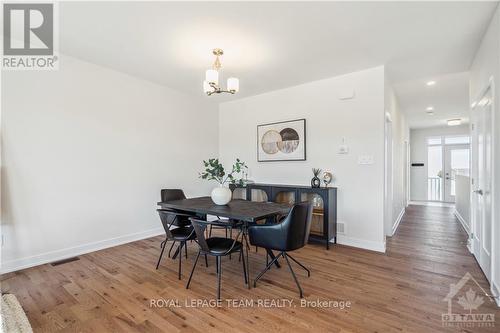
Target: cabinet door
<point>284,195</point>
<point>318,215</point>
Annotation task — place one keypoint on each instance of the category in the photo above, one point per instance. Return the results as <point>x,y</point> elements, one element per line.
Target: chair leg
<point>206,260</point>
<point>293,274</point>
<point>171,247</point>
<point>266,269</point>
<point>210,232</point>
<point>192,270</point>
<point>219,273</point>
<point>185,249</point>
<point>180,259</point>
<point>244,265</point>
<point>159,259</point>
<point>163,243</point>
<point>230,236</point>
<point>298,263</point>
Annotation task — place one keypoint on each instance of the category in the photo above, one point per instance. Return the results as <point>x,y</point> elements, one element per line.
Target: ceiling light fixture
<point>430,108</point>
<point>431,83</point>
<point>430,113</point>
<point>211,83</point>
<point>454,122</point>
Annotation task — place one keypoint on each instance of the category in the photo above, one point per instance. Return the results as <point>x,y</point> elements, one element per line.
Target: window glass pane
<point>434,140</point>
<point>460,161</point>
<point>454,140</point>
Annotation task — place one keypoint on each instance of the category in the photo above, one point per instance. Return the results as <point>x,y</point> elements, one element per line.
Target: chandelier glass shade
<point>211,84</point>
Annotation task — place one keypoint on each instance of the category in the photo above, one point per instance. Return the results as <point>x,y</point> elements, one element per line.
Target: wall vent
<point>340,227</point>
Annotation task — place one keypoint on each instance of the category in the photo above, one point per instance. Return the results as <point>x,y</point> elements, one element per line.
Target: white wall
<point>328,119</point>
<point>418,154</point>
<point>462,200</point>
<point>486,65</point>
<point>399,138</point>
<point>85,153</point>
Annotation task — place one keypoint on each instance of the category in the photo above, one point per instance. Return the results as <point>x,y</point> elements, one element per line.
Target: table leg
<point>247,248</point>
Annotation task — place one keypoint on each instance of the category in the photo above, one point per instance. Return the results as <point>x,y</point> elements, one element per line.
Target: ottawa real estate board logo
<point>30,36</point>
<point>467,305</point>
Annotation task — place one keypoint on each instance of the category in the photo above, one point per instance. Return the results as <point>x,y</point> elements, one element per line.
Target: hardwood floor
<point>400,291</point>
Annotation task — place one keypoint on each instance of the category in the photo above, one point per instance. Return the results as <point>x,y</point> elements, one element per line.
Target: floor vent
<point>64,261</point>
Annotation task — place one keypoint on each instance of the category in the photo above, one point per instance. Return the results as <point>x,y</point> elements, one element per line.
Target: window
<point>434,140</point>
<point>456,140</point>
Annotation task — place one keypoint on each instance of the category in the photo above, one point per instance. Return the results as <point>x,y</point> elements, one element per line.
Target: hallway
<point>400,291</point>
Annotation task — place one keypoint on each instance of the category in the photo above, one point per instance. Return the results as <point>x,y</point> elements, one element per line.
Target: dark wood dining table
<point>248,212</point>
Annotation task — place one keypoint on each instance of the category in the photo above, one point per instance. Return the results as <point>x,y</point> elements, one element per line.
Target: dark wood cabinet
<point>324,200</point>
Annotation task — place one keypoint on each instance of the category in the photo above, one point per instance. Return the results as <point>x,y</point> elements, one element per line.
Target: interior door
<point>482,182</point>
<point>456,160</point>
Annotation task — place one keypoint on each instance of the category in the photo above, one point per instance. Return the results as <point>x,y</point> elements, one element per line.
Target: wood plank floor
<point>400,291</point>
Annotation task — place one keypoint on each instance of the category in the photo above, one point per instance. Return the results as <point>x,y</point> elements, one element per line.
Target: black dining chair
<point>175,233</point>
<point>181,221</point>
<point>217,247</point>
<point>290,234</point>
<point>168,194</point>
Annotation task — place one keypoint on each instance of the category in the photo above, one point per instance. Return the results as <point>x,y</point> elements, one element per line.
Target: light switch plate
<point>365,159</point>
<point>343,149</point>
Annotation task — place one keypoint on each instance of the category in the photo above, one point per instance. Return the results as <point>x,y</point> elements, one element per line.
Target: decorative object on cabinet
<point>327,178</point>
<point>315,181</point>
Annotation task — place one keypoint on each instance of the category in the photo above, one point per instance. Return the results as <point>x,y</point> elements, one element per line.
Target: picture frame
<point>282,141</point>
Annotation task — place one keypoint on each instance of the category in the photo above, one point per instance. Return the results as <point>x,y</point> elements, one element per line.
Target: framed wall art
<point>282,141</point>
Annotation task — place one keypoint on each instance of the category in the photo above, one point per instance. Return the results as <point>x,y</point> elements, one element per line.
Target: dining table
<point>245,211</point>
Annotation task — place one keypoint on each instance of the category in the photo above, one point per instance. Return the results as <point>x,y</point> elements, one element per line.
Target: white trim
<point>462,221</point>
<point>398,221</point>
<point>495,291</point>
<point>44,258</point>
<point>361,243</point>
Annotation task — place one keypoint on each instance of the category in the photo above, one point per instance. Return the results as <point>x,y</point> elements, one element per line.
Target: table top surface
<point>243,210</point>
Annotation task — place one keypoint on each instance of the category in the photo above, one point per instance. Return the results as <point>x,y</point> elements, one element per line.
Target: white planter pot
<point>221,195</point>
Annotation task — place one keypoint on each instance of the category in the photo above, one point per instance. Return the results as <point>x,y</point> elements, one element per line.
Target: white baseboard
<point>398,221</point>
<point>361,243</point>
<point>44,258</point>
<point>462,221</point>
<point>495,291</point>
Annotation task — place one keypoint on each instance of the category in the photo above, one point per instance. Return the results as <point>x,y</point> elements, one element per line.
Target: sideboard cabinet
<point>323,199</point>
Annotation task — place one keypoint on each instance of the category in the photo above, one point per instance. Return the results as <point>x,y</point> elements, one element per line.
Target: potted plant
<point>214,170</point>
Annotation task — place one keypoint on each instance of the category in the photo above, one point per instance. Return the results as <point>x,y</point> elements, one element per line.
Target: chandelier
<point>211,83</point>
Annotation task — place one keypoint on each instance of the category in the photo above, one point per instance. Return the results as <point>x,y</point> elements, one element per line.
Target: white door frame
<point>473,246</point>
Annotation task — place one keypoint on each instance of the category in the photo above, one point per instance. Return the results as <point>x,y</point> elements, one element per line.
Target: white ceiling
<point>275,45</point>
<point>449,97</point>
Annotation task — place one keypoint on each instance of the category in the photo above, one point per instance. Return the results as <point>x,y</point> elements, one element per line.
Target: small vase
<point>221,195</point>
<point>315,182</point>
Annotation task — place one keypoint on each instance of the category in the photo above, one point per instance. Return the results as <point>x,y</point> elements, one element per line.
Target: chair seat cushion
<point>220,245</point>
<point>183,233</point>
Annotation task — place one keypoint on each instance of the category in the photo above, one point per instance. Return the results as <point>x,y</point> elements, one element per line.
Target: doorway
<point>481,183</point>
<point>447,157</point>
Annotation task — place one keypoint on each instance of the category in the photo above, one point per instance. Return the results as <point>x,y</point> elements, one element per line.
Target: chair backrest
<point>168,218</point>
<point>296,226</point>
<point>199,228</point>
<point>172,194</point>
